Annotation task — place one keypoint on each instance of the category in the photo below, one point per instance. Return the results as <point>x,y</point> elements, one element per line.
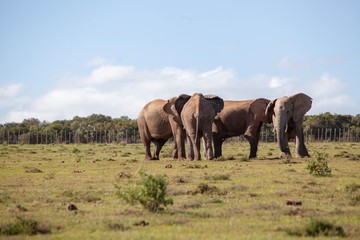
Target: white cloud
<point>329,95</point>
<point>277,82</point>
<point>10,90</point>
<point>117,90</point>
<point>10,96</point>
<point>107,73</point>
<point>328,85</point>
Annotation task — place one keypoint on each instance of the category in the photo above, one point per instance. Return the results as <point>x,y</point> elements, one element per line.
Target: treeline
<point>95,128</point>
<point>98,128</point>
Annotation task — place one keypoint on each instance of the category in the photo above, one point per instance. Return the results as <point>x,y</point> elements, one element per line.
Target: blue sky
<point>61,59</point>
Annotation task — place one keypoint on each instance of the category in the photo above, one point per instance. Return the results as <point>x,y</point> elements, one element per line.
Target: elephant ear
<point>216,102</point>
<point>301,104</point>
<point>180,102</point>
<point>269,111</point>
<point>258,108</point>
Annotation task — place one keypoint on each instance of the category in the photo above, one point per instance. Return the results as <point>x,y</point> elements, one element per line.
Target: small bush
<point>317,228</point>
<point>319,166</point>
<point>24,226</point>
<point>218,177</point>
<point>32,170</point>
<point>204,188</point>
<point>116,226</point>
<point>354,193</point>
<point>352,187</point>
<point>151,193</point>
<point>196,166</point>
<point>76,150</point>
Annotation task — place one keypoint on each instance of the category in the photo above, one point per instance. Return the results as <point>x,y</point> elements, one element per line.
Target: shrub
<point>204,188</point>
<point>218,177</point>
<point>76,150</point>
<point>151,193</point>
<point>32,170</point>
<point>354,193</point>
<point>319,166</point>
<point>24,226</point>
<point>317,228</point>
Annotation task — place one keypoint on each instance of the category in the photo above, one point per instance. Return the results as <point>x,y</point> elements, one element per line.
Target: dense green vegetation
<point>98,128</point>
<point>62,191</point>
<point>94,128</point>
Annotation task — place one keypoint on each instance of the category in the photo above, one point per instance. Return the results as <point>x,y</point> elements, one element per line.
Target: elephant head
<point>174,106</point>
<point>287,115</point>
<point>257,108</point>
<point>216,102</point>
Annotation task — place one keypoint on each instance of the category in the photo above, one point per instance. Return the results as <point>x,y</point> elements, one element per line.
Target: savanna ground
<point>264,198</point>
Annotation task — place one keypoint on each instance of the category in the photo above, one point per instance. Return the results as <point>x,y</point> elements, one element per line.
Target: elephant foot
<point>154,159</point>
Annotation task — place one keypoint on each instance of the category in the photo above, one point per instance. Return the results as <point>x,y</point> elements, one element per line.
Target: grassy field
<point>265,198</point>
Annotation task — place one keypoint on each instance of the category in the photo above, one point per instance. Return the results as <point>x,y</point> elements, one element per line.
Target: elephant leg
<point>252,134</point>
<point>204,147</point>
<point>147,150</point>
<point>175,151</point>
<point>180,140</point>
<point>301,150</point>
<point>158,145</point>
<point>190,155</point>
<point>209,155</point>
<point>218,141</point>
<point>197,155</point>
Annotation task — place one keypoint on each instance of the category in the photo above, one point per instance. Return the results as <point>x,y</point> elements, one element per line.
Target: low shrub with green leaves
<point>319,165</point>
<point>25,227</point>
<point>316,228</point>
<point>150,193</point>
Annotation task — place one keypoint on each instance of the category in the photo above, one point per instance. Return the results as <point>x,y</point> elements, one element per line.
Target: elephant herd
<point>209,117</point>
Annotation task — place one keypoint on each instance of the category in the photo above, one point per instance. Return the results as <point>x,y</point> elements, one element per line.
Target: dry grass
<point>227,199</point>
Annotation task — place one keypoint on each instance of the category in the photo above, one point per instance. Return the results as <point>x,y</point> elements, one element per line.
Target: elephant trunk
<point>280,126</point>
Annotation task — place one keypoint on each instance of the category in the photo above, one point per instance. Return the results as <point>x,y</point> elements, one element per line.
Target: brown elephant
<point>288,116</point>
<point>197,117</point>
<point>237,118</point>
<point>154,126</point>
<point>173,108</point>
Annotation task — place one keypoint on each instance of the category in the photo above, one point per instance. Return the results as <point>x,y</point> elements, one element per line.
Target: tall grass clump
<point>150,192</point>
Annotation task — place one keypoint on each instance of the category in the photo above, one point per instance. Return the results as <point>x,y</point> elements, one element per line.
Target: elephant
<point>288,116</point>
<point>173,108</point>
<point>237,118</point>
<point>154,126</point>
<point>197,117</point>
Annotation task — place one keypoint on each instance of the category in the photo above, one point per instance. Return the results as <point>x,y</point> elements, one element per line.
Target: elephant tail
<point>197,119</point>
